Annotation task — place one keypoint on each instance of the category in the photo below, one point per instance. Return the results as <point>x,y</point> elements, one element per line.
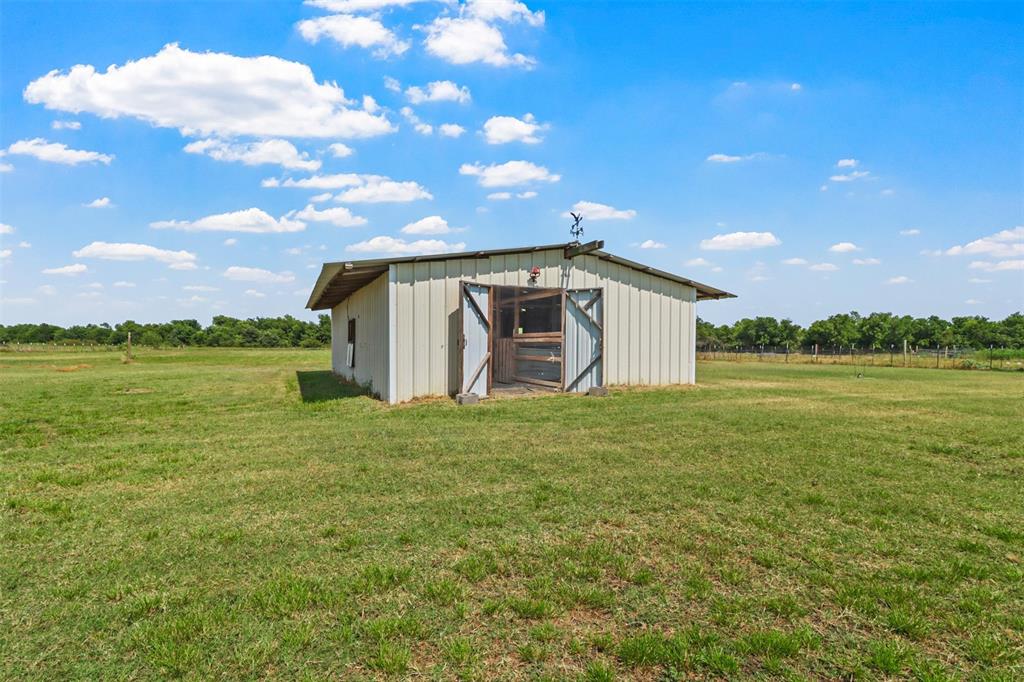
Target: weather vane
<point>576,230</point>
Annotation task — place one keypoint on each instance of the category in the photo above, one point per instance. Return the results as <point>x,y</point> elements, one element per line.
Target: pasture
<point>240,514</point>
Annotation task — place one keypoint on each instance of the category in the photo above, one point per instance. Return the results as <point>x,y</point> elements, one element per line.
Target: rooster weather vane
<point>576,230</point>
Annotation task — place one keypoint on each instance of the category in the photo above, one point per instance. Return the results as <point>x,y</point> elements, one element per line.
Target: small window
<point>351,359</point>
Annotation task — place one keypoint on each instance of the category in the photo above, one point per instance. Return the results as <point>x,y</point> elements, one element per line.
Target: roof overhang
<point>339,280</point>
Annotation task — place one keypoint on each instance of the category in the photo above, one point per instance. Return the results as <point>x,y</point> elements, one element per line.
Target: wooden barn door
<point>475,313</point>
<point>583,345</point>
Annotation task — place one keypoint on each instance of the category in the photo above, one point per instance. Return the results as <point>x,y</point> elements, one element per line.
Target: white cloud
<point>349,30</point>
<point>254,293</point>
<point>451,129</point>
<point>317,181</point>
<point>505,129</point>
<point>6,229</point>
<point>378,189</point>
<point>24,245</point>
<point>231,241</point>
<point>391,245</point>
<point>499,196</point>
<point>850,177</point>
<point>823,188</point>
<point>972,301</point>
<point>17,300</point>
<point>354,6</point>
<point>438,91</point>
<point>338,216</point>
<point>66,125</point>
<point>281,152</point>
<point>318,198</point>
<point>199,287</point>
<point>847,163</point>
<point>1002,244</point>
<point>5,253</point>
<point>794,261</point>
<point>102,202</point>
<point>421,127</point>
<point>651,244</point>
<point>47,290</point>
<point>178,260</point>
<point>730,158</point>
<point>1001,266</point>
<point>910,233</point>
<point>978,280</point>
<point>252,220</point>
<point>591,210</point>
<point>210,93</point>
<point>121,284</point>
<point>340,151</point>
<point>899,279</point>
<point>392,84</point>
<point>504,10</point>
<point>508,174</point>
<point>823,267</point>
<point>530,194</point>
<point>55,152</point>
<point>466,40</point>
<point>796,87</point>
<point>866,261</point>
<point>94,285</point>
<point>887,192</point>
<point>68,270</point>
<point>844,247</point>
<point>244,274</point>
<point>698,263</point>
<point>434,224</point>
<point>740,241</point>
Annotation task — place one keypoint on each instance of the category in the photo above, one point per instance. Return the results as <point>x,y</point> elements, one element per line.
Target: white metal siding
<point>649,321</point>
<point>369,307</point>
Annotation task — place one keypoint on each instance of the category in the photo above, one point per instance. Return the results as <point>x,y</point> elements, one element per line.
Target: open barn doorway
<point>521,340</point>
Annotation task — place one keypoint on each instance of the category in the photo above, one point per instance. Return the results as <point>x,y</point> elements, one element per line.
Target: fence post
<point>990,356</point>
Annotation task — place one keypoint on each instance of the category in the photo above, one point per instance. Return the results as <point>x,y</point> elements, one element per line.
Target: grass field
<point>240,514</point>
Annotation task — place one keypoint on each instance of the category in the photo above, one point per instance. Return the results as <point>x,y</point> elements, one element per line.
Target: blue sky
<point>205,158</point>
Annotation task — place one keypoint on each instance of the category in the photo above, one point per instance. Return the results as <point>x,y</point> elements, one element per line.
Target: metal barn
<point>562,317</point>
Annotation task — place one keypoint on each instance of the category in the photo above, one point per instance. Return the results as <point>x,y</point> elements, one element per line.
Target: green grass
<point>240,514</point>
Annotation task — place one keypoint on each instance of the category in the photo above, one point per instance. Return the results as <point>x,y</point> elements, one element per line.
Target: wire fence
<point>947,357</point>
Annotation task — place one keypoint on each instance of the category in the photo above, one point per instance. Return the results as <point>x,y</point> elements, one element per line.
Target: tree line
<point>877,331</point>
<point>259,332</point>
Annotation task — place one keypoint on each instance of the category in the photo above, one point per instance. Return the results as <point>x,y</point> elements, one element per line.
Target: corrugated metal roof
<point>338,280</point>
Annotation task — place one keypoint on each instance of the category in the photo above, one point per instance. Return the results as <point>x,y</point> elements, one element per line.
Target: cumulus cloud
<point>55,152</point>
<point>505,129</point>
<point>6,229</point>
<point>377,189</point>
<point>1002,244</point>
<point>843,247</point>
<point>434,224</point>
<point>824,267</point>
<point>230,241</point>
<point>318,181</point>
<point>349,30</point>
<point>850,177</point>
<point>472,36</point>
<point>422,128</point>
<point>210,93</point>
<point>740,241</point>
<point>66,125</point>
<point>698,263</point>
<point>318,198</point>
<point>731,158</point>
<point>438,91</point>
<point>281,152</point>
<point>239,273</point>
<point>910,233</point>
<point>5,253</point>
<point>508,174</point>
<point>866,261</point>
<point>199,287</point>
<point>338,216</point>
<point>1000,266</point>
<point>253,220</point>
<point>67,270</point>
<point>102,202</point>
<point>451,129</point>
<point>650,244</point>
<point>505,196</point>
<point>340,151</point>
<point>795,261</point>
<point>127,251</point>
<point>392,245</point>
<point>591,210</point>
<point>899,279</point>
<point>121,284</point>
<point>847,163</point>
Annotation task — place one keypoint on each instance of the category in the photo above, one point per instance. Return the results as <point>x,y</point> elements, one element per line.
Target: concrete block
<point>467,399</point>
<point>598,391</point>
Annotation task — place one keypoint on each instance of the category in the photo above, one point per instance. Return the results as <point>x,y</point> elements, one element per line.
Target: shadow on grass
<point>317,387</point>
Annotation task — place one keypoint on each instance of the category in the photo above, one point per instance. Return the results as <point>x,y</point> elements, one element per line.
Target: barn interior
<point>528,337</point>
